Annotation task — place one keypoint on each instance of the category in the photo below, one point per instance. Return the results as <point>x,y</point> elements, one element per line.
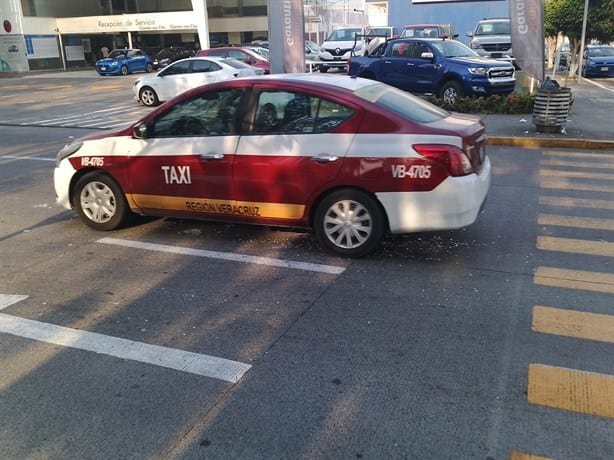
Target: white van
<point>339,46</point>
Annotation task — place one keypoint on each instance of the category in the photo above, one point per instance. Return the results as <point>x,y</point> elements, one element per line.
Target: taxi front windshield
<point>451,48</point>
<point>407,105</point>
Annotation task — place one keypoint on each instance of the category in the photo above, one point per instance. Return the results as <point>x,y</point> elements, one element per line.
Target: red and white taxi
<point>348,157</point>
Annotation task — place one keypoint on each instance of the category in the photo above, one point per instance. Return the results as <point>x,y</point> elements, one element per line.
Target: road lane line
<point>572,323</point>
<point>185,361</point>
<point>575,222</point>
<point>6,300</point>
<point>575,246</point>
<point>567,202</point>
<point>574,279</point>
<point>16,157</point>
<point>572,390</point>
<point>306,266</point>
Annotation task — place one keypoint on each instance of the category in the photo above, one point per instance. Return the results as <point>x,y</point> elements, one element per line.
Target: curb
<point>533,142</point>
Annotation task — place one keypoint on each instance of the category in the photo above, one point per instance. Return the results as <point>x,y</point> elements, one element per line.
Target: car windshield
<point>421,32</point>
<point>493,28</point>
<point>601,51</point>
<point>451,48</point>
<point>343,35</point>
<point>407,105</point>
<point>117,54</point>
<point>380,31</point>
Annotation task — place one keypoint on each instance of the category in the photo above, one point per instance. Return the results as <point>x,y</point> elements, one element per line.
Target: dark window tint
<point>177,68</point>
<point>209,114</point>
<point>284,112</point>
<point>205,66</point>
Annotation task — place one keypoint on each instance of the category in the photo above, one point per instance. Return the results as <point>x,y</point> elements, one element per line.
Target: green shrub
<point>512,104</point>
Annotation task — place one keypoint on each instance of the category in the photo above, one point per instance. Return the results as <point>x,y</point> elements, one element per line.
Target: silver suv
<point>491,38</point>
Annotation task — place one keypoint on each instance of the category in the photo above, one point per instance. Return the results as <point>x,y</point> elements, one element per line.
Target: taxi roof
<point>341,81</point>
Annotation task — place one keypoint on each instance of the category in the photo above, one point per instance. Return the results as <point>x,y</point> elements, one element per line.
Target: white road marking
<point>330,269</point>
<point>15,157</point>
<point>185,361</point>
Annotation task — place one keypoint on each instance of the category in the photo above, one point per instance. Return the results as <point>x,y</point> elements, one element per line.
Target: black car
<point>167,55</point>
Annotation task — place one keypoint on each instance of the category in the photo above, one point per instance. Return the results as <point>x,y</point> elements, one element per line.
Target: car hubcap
<point>450,96</point>
<point>348,224</point>
<point>98,202</point>
<point>147,97</point>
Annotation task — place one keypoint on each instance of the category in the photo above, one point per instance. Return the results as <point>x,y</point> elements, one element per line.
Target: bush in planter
<point>512,104</point>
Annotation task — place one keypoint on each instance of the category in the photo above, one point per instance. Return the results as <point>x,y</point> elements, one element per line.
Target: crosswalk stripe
<point>574,279</point>
<point>575,246</point>
<point>576,174</point>
<point>549,183</point>
<point>515,455</point>
<point>577,164</point>
<point>579,155</point>
<point>568,202</point>
<point>572,323</point>
<point>575,222</point>
<point>572,390</point>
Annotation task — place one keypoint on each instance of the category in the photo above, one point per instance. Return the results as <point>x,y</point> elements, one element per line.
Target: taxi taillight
<point>454,159</point>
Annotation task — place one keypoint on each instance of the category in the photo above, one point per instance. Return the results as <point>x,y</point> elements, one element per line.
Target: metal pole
<point>61,49</point>
<point>583,38</point>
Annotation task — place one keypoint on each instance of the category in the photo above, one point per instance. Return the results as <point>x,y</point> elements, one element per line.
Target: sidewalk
<point>590,123</point>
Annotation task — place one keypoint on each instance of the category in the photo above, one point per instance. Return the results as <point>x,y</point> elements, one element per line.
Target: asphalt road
<point>185,339</point>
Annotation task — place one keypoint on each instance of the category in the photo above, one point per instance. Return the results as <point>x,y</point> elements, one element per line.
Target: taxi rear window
<point>407,105</point>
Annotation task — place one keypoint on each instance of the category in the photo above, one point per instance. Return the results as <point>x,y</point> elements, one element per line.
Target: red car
<point>350,158</point>
<point>245,55</point>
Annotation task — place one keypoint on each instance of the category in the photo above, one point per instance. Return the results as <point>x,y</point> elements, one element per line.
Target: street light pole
<point>584,19</point>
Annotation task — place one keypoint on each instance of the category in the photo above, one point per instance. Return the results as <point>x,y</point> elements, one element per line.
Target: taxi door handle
<point>211,156</point>
<point>325,158</point>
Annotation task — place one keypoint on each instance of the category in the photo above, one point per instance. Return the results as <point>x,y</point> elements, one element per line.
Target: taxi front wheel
<point>100,202</point>
<point>349,222</point>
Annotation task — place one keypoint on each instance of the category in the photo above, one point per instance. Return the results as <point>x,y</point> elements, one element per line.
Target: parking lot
<point>184,339</point>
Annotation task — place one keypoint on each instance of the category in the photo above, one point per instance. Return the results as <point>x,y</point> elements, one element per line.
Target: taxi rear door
<point>284,163</point>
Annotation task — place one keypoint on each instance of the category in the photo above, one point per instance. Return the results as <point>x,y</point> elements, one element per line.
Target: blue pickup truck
<point>443,67</point>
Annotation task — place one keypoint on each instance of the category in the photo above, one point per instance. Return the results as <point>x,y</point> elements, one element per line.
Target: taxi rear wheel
<point>100,202</point>
<point>349,222</point>
<point>148,97</point>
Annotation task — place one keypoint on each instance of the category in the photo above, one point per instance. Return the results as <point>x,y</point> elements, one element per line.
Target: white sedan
<point>187,74</point>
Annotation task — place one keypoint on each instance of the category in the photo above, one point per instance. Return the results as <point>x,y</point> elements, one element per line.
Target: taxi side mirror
<point>140,131</point>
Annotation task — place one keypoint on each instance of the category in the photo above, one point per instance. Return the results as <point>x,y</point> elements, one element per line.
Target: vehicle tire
<point>323,69</point>
<point>148,96</point>
<point>100,202</point>
<point>349,222</point>
<point>149,68</point>
<point>124,70</point>
<point>451,92</point>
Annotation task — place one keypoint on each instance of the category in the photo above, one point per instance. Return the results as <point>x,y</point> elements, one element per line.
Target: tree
<point>565,17</point>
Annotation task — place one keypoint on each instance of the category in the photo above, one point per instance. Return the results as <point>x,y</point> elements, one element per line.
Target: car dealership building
<point>45,34</point>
